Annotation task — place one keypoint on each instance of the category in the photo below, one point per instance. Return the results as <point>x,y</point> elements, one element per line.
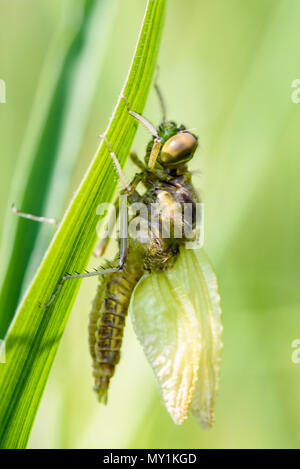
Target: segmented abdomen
<point>107,321</point>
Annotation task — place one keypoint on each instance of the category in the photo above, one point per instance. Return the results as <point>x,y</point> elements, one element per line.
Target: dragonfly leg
<point>29,216</point>
<point>139,177</point>
<point>135,197</point>
<point>157,139</point>
<point>135,159</point>
<point>123,254</point>
<point>102,246</point>
<point>116,163</point>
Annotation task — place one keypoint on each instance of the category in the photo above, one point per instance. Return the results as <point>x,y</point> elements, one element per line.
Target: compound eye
<point>178,149</point>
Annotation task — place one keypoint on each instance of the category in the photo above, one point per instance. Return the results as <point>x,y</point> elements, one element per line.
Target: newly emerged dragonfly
<point>171,290</point>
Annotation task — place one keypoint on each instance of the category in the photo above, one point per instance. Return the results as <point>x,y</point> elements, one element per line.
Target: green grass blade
<point>68,82</point>
<point>34,335</point>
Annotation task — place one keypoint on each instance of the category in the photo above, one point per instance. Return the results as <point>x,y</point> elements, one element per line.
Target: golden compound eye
<point>178,149</point>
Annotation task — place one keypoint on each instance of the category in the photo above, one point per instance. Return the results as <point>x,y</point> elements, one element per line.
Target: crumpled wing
<point>177,317</point>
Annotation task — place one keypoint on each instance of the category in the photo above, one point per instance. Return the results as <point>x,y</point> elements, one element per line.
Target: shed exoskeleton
<point>168,188</point>
<point>171,290</point>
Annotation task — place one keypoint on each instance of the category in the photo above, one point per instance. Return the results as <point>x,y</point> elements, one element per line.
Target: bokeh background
<point>226,69</point>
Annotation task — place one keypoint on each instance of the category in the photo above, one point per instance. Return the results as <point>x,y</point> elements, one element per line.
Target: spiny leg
<point>102,246</point>
<point>128,189</point>
<point>100,250</point>
<point>157,139</point>
<point>29,216</point>
<point>123,232</point>
<point>123,253</point>
<point>116,163</point>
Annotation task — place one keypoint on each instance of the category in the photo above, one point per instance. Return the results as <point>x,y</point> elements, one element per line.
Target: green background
<point>226,69</point>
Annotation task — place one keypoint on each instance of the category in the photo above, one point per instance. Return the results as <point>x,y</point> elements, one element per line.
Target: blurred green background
<point>226,69</point>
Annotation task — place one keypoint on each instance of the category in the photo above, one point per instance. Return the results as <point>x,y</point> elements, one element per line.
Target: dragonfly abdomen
<point>107,321</point>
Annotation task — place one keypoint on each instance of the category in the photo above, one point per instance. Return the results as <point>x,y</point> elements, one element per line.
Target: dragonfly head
<point>179,145</point>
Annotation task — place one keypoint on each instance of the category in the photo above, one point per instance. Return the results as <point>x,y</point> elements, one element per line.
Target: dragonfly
<point>170,288</point>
